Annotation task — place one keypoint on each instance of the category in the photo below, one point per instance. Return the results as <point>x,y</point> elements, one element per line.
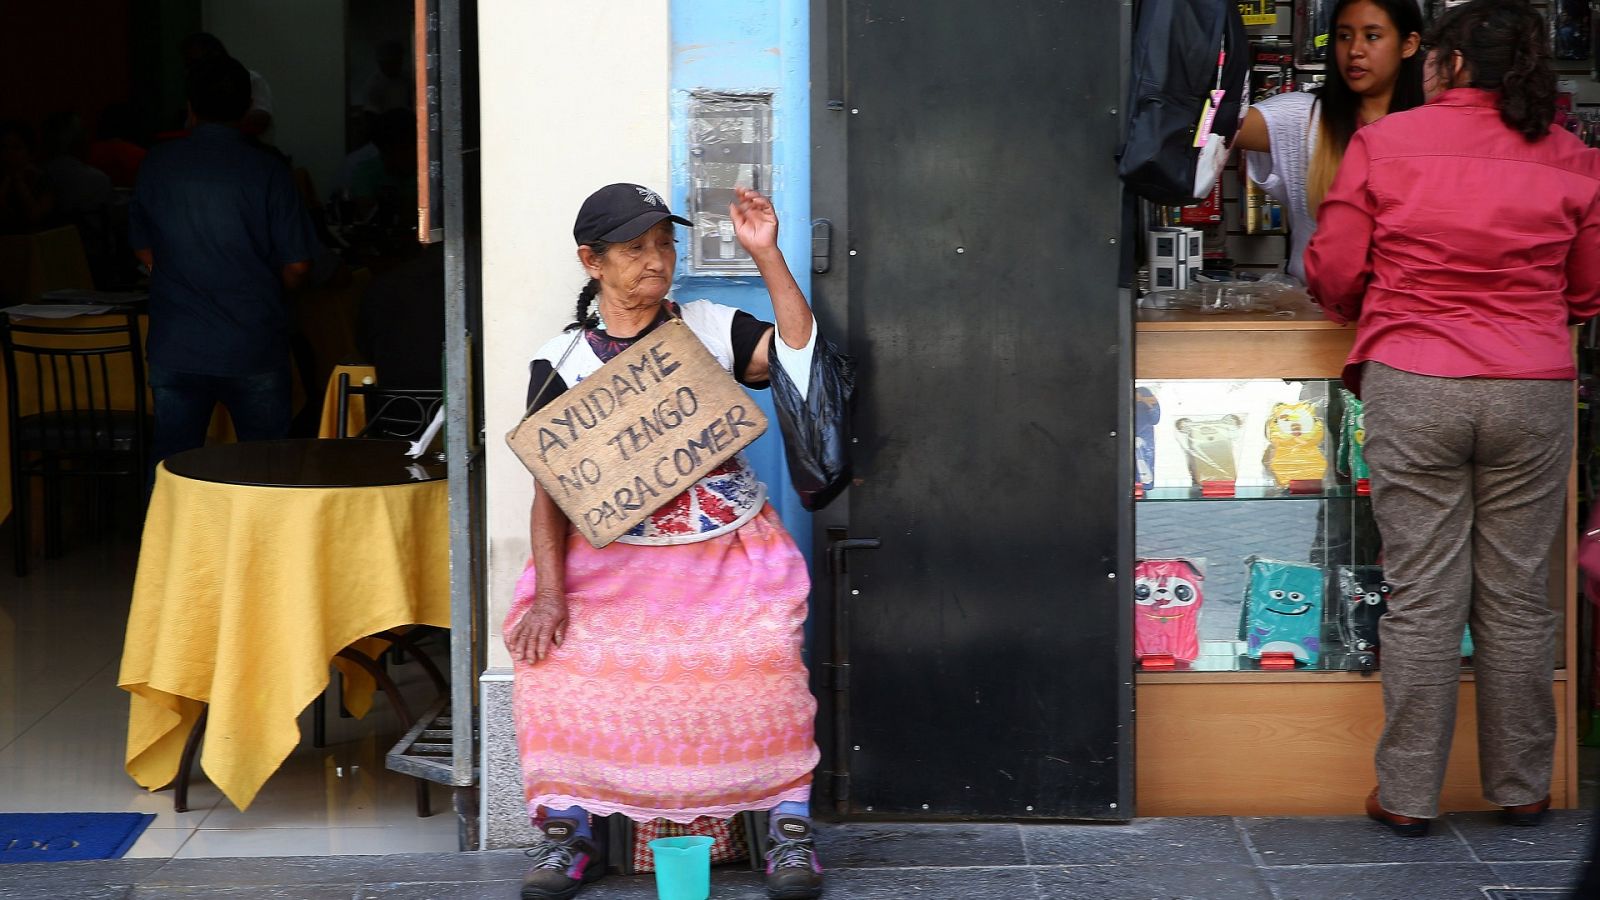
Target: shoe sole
<point>795,894</point>
<point>564,894</point>
<point>1404,829</point>
<point>1523,820</point>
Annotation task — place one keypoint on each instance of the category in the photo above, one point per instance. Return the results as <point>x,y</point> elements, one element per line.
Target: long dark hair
<point>587,316</point>
<point>1341,105</point>
<point>1505,48</point>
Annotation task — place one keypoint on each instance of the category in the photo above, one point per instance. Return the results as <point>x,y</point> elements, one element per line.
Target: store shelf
<point>1246,492</point>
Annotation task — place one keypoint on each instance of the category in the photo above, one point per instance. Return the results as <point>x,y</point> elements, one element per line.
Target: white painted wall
<point>298,47</point>
<point>574,97</point>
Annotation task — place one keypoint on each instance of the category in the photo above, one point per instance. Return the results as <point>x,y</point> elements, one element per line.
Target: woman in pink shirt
<point>1463,238</point>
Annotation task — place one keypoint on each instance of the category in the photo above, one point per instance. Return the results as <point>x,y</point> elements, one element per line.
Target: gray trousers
<point>1469,479</point>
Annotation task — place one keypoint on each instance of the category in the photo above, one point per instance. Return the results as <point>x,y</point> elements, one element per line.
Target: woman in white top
<point>1295,141</point>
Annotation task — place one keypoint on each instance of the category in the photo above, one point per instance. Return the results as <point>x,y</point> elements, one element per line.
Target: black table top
<point>307,463</point>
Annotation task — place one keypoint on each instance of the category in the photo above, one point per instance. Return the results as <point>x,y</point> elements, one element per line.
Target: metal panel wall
<point>989,636</point>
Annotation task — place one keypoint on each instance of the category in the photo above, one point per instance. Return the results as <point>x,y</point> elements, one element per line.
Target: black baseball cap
<point>621,212</point>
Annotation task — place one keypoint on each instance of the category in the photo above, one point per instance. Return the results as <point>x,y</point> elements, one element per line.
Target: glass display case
<point>1255,540</point>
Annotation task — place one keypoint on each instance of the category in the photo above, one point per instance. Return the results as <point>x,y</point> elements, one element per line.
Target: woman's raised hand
<point>755,222</point>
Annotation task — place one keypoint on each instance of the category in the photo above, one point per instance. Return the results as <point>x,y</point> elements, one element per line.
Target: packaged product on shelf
<point>1366,600</point>
<point>1351,456</point>
<point>1295,432</point>
<point>1311,33</point>
<point>1206,212</point>
<point>1167,597</point>
<point>1175,256</point>
<point>1271,69</point>
<point>1282,610</point>
<point>1262,214</point>
<point>1210,444</point>
<point>1146,415</point>
<point>1259,12</point>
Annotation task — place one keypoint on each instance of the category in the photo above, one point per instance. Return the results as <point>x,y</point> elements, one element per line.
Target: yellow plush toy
<point>1294,444</point>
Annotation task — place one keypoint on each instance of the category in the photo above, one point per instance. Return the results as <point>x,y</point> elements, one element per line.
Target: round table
<point>261,563</point>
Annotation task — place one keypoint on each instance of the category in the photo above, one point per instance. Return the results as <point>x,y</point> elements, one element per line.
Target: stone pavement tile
<point>65,892</point>
<point>1305,841</point>
<point>934,884</point>
<point>1565,835</point>
<point>1202,881</point>
<point>1415,881</point>
<point>453,890</point>
<point>1142,841</point>
<point>253,892</point>
<point>482,865</point>
<point>879,845</point>
<point>1562,875</point>
<point>266,870</point>
<point>105,879</point>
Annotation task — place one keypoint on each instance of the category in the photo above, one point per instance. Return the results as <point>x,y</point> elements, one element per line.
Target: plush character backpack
<point>1353,439</point>
<point>1294,443</point>
<point>1210,443</point>
<point>1283,610</point>
<point>1190,75</point>
<point>1167,597</point>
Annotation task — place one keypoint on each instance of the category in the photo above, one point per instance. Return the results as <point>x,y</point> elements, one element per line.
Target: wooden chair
<point>68,396</point>
<point>396,413</point>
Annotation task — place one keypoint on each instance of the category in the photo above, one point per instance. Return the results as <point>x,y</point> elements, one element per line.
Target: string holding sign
<point>641,430</point>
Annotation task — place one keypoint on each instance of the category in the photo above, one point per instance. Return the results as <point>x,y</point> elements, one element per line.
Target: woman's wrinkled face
<point>1368,49</point>
<point>637,273</point>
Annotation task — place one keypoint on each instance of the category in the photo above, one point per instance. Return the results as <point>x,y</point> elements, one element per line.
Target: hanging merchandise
<point>1312,26</point>
<point>1282,612</point>
<point>1569,29</point>
<point>1146,415</point>
<point>1210,443</point>
<point>1351,456</point>
<point>1190,71</point>
<point>1167,597</point>
<point>1294,443</point>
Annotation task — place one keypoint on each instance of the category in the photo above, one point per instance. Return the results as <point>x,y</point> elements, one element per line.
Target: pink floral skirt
<point>680,690</point>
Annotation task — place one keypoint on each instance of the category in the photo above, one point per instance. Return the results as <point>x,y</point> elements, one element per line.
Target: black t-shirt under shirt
<point>746,334</point>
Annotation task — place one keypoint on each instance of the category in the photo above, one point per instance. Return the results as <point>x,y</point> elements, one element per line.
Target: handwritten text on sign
<point>637,433</point>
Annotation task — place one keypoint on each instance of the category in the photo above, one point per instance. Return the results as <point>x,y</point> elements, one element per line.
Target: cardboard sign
<point>638,432</point>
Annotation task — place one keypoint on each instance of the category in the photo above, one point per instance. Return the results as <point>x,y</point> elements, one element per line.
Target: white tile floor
<point>63,728</point>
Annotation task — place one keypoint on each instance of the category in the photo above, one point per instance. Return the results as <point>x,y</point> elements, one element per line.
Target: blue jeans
<point>258,404</point>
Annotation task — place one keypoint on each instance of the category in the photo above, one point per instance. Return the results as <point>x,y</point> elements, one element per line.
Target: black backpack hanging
<point>1182,51</point>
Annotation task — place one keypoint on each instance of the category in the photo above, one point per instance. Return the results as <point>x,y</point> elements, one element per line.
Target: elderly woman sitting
<point>661,676</point>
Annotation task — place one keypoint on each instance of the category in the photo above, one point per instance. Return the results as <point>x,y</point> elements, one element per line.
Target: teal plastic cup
<point>683,867</point>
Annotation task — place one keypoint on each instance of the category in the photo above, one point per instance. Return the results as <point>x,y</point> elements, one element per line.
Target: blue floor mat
<point>60,837</point>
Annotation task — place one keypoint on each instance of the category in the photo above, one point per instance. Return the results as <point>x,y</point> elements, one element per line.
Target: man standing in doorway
<point>220,224</point>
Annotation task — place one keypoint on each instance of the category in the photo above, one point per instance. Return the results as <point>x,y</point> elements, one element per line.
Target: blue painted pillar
<point>750,46</point>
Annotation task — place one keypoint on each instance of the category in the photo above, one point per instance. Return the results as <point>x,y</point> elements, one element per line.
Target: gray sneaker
<point>563,865</point>
<point>793,870</point>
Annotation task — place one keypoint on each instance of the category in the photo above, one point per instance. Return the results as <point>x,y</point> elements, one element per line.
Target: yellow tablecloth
<point>242,597</point>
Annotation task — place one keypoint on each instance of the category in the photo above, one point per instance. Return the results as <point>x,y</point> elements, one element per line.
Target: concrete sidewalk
<point>1468,857</point>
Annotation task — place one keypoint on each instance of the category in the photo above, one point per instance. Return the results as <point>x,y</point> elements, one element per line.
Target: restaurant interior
<point>101,82</point>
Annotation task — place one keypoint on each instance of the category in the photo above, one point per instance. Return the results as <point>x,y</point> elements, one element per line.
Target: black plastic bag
<point>816,428</point>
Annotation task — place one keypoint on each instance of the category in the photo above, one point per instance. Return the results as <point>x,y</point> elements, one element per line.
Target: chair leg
<point>52,511</point>
<point>385,683</point>
<point>424,802</point>
<point>21,518</point>
<point>180,793</point>
<point>400,641</point>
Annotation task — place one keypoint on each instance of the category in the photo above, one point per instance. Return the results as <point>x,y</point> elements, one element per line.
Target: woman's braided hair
<point>1505,48</point>
<point>588,315</point>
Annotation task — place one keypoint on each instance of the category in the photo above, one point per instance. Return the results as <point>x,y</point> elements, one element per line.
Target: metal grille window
<point>730,145</point>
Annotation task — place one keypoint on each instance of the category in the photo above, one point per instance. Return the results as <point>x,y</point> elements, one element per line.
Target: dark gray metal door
<point>974,258</point>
